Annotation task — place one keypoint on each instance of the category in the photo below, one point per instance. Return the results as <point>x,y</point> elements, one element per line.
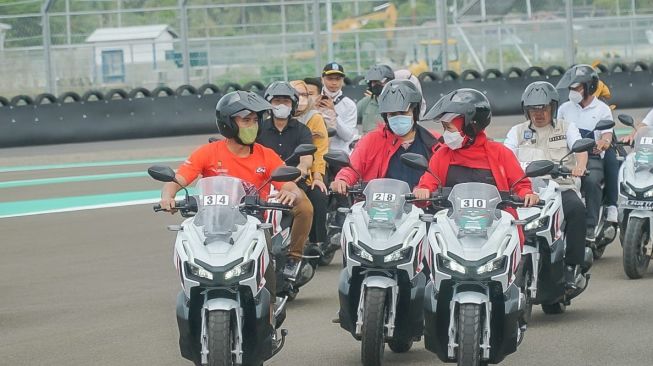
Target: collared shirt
<point>285,141</point>
<point>513,139</point>
<point>586,118</point>
<point>399,170</point>
<point>346,122</point>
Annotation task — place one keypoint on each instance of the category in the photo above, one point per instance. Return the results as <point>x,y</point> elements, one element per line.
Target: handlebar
<point>186,207</point>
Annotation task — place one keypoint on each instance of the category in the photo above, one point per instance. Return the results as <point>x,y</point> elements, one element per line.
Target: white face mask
<point>453,139</point>
<point>281,111</point>
<point>329,93</point>
<point>575,97</point>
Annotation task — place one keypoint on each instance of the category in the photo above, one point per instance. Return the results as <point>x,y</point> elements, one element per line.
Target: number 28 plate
<point>640,204</point>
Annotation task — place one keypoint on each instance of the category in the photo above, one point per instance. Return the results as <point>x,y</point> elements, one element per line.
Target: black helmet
<point>233,103</point>
<point>379,73</point>
<point>580,74</point>
<point>540,93</point>
<point>282,89</point>
<point>400,95</point>
<point>470,103</point>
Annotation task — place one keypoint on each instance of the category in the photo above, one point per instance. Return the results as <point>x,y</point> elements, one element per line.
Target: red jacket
<point>504,166</point>
<point>373,152</point>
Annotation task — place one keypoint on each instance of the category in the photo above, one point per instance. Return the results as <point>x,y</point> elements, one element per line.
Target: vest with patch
<point>546,143</point>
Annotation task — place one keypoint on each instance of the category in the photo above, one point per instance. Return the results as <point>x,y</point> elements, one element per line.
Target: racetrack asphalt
<point>99,286</point>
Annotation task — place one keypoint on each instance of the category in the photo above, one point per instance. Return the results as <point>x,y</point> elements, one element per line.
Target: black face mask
<point>376,90</point>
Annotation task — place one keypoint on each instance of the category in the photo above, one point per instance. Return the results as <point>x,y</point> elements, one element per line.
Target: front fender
<point>379,282</point>
<point>221,304</point>
<point>470,297</point>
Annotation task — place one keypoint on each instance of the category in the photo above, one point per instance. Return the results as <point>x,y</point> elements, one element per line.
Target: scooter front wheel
<point>555,308</point>
<point>220,340</point>
<point>373,332</point>
<point>636,240</point>
<point>469,335</point>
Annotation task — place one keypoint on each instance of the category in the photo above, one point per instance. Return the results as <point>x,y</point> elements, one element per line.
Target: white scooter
<point>221,254</point>
<point>382,285</point>
<point>545,247</point>
<point>636,202</point>
<point>474,302</point>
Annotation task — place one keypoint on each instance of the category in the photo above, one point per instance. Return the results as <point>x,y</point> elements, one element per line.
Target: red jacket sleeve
<point>428,181</point>
<point>514,172</point>
<point>357,160</point>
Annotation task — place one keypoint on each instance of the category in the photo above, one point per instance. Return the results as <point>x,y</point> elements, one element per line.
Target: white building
<point>116,47</point>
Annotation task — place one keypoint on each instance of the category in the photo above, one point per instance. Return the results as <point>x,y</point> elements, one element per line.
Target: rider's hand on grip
<point>339,186</point>
<point>168,205</point>
<point>421,193</point>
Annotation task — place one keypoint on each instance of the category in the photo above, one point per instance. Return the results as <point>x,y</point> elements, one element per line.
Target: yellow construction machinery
<point>428,56</point>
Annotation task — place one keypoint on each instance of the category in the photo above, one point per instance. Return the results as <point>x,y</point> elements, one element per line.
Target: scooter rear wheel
<point>556,308</point>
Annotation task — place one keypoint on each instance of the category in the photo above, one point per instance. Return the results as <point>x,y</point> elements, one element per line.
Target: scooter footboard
<point>186,339</point>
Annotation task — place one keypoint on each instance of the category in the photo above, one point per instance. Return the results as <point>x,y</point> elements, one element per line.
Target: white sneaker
<point>613,214</point>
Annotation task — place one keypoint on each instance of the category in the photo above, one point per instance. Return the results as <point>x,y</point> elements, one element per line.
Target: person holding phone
<point>335,106</point>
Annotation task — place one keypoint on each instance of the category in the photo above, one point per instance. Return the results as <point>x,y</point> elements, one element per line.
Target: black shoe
<point>570,278</point>
<point>291,269</point>
<point>590,235</point>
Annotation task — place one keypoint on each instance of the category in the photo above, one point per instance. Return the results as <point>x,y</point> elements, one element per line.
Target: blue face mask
<point>401,125</point>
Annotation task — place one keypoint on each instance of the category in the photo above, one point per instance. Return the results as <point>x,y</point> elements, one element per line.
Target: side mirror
<point>305,149</point>
<point>286,174</point>
<point>161,173</point>
<point>331,132</point>
<point>539,168</point>
<point>338,159</point>
<point>583,145</point>
<point>604,124</point>
<point>626,120</point>
<point>415,161</point>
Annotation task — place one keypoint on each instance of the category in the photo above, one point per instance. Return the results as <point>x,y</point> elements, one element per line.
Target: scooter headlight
<point>648,194</point>
<point>398,255</point>
<point>198,271</point>
<point>360,252</point>
<point>239,270</point>
<point>537,224</point>
<point>493,265</point>
<point>451,265</point>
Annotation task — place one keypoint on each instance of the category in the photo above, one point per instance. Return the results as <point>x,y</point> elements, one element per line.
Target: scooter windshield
<point>527,155</point>
<point>474,208</point>
<point>384,202</point>
<point>644,150</point>
<point>218,201</point>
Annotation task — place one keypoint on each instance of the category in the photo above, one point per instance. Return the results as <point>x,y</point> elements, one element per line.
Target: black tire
<point>257,85</point>
<point>636,260</point>
<point>220,338</point>
<point>619,67</point>
<point>163,89</point>
<point>229,87</point>
<point>555,70</point>
<point>450,75</point>
<point>373,333</point>
<point>540,72</point>
<point>469,335</point>
<point>26,99</point>
<point>638,66</point>
<point>4,102</point>
<point>400,345</point>
<point>139,93</point>
<point>492,74</point>
<point>470,75</point>
<point>552,309</point>
<point>212,87</point>
<point>43,97</point>
<point>528,280</point>
<point>185,90</point>
<point>428,76</point>
<point>93,93</point>
<point>69,95</point>
<point>357,80</point>
<point>514,72</point>
<point>116,92</point>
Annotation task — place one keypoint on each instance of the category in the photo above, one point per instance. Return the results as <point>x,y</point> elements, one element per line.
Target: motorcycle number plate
<point>215,200</point>
<point>639,204</point>
<point>384,197</point>
<point>473,203</point>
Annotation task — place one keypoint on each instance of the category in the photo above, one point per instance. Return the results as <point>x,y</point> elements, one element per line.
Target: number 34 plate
<point>640,204</point>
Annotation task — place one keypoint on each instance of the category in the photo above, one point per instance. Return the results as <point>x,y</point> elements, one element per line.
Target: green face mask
<point>248,135</point>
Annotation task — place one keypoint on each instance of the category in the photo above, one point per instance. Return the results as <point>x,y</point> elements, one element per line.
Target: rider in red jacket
<point>468,155</point>
<point>377,154</point>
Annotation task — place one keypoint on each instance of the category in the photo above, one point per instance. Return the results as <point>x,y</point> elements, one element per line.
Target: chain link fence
<point>78,45</point>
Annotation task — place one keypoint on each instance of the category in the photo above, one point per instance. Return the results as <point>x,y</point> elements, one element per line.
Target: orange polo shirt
<point>215,159</point>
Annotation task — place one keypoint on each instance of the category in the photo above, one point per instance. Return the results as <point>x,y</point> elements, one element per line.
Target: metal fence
<point>78,45</point>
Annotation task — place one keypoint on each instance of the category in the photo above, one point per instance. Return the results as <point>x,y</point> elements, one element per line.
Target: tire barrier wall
<point>140,113</point>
